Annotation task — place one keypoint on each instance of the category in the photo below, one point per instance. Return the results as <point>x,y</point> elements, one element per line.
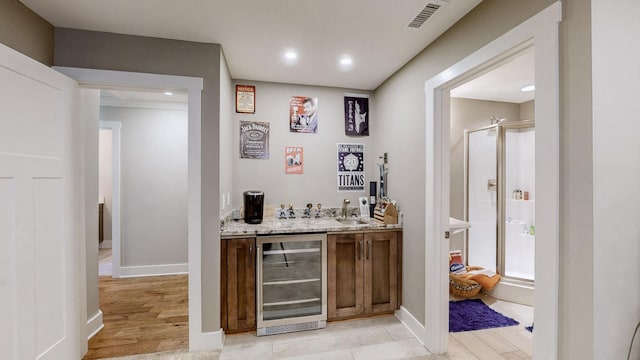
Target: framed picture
<point>351,167</point>
<point>303,114</point>
<point>254,140</point>
<point>356,115</point>
<point>293,160</point>
<point>245,99</point>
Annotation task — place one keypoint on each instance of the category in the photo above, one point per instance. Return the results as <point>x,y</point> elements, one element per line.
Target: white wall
<point>104,178</point>
<point>616,177</point>
<point>318,184</point>
<point>154,184</point>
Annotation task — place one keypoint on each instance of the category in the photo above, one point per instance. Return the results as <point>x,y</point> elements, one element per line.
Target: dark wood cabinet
<point>345,280</point>
<point>364,273</point>
<point>238,285</point>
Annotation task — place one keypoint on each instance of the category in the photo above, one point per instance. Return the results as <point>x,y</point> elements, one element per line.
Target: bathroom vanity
<point>346,269</point>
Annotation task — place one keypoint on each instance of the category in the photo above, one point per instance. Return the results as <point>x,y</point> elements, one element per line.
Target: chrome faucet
<point>345,202</point>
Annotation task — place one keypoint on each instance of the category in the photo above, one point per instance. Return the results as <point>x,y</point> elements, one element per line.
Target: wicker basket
<point>463,287</point>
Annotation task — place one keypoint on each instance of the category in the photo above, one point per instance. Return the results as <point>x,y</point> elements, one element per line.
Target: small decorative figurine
<point>318,211</point>
<point>307,211</point>
<point>281,213</point>
<point>292,213</point>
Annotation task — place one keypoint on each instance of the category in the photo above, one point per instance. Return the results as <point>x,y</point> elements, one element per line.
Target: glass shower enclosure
<point>500,198</point>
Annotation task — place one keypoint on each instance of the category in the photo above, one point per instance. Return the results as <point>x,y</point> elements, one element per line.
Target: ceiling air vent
<point>425,14</point>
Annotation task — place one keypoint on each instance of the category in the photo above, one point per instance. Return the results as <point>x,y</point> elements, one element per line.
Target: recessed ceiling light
<point>168,93</point>
<point>528,88</point>
<point>346,61</point>
<point>291,55</point>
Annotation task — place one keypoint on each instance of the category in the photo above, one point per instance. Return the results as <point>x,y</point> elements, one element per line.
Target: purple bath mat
<point>473,314</point>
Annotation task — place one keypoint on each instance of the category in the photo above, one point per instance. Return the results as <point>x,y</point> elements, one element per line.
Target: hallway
<point>141,315</point>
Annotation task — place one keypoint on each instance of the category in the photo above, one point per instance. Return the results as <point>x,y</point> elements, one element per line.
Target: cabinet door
<point>380,272</point>
<point>345,254</point>
<point>241,285</point>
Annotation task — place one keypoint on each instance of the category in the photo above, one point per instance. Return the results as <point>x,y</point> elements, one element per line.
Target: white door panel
<point>39,218</point>
<point>7,265</point>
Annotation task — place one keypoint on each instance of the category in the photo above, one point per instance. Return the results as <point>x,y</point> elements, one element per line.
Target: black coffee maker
<point>253,206</point>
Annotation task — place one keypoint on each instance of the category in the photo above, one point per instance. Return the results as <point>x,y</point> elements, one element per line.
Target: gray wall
<point>227,108</point>
<point>153,155</point>
<point>527,110</point>
<point>23,30</point>
<point>401,101</point>
<point>89,106</point>
<point>469,114</point>
<point>108,51</point>
<point>318,183</point>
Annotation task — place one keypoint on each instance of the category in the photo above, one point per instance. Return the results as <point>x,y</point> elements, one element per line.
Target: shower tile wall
<point>519,213</point>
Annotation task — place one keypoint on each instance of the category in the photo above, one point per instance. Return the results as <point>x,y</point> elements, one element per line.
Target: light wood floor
<point>141,315</point>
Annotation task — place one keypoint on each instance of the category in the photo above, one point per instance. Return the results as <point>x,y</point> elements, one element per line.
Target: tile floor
<point>386,338</point>
<point>370,339</point>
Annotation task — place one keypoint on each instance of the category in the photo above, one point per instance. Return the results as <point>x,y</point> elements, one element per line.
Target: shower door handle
<point>491,183</point>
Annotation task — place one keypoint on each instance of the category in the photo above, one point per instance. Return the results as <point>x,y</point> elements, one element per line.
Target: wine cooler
<point>292,283</point>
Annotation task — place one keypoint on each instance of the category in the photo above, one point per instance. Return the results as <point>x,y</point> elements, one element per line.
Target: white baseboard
<point>513,291</point>
<point>94,325</point>
<point>412,324</point>
<point>206,341</point>
<point>152,270</point>
<point>105,244</point>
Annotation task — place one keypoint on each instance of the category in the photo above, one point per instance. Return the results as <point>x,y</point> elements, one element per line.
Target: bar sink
<point>352,221</point>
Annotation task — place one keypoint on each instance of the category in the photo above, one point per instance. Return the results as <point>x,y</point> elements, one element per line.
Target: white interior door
<point>40,217</point>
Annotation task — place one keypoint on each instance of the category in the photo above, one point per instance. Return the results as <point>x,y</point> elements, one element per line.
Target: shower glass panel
<point>519,205</point>
<point>500,198</point>
<point>482,197</point>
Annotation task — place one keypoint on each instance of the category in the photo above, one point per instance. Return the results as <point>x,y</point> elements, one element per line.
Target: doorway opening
<point>142,187</point>
<point>143,181</point>
<point>105,79</point>
<point>540,30</point>
<point>492,157</point>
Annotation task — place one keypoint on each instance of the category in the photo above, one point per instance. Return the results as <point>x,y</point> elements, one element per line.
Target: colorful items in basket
<point>467,281</point>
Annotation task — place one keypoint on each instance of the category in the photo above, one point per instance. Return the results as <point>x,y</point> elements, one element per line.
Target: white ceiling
<point>254,34</point>
<point>503,83</point>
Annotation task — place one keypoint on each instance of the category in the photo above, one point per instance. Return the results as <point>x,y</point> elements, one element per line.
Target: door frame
<point>95,78</point>
<point>542,31</point>
<point>116,258</point>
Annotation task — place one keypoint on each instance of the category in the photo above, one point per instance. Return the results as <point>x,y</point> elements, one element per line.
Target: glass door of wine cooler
<point>292,289</point>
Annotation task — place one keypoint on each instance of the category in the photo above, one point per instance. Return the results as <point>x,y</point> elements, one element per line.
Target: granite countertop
<point>272,226</point>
